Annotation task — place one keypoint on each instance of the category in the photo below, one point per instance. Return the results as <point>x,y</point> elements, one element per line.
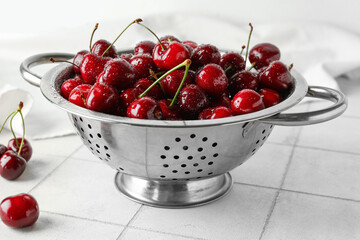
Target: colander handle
<point>28,63</point>
<point>313,117</point>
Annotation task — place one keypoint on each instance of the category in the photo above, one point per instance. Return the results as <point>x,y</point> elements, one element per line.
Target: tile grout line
<point>50,173</point>
<point>130,221</point>
<point>329,150</point>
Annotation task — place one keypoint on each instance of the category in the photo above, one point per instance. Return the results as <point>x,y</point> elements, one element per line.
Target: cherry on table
<point>246,101</point>
<point>26,150</point>
<point>212,79</point>
<point>144,47</point>
<point>102,98</point>
<point>145,108</point>
<point>269,97</point>
<point>263,54</point>
<point>276,76</point>
<point>11,165</point>
<point>20,210</point>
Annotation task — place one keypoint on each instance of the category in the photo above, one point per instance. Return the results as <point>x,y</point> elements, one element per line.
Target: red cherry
<point>69,85</point>
<point>100,46</point>
<point>223,100</point>
<point>144,47</point>
<point>91,66</point>
<point>119,74</point>
<point>78,59</point>
<point>174,54</point>
<point>169,113</point>
<point>243,80</point>
<point>212,79</point>
<point>263,54</point>
<point>78,95</point>
<point>102,98</point>
<point>172,82</point>
<point>154,92</point>
<point>246,101</point>
<point>233,62</point>
<point>143,64</point>
<point>190,43</point>
<point>20,210</point>
<point>11,165</point>
<point>269,97</point>
<point>26,151</point>
<point>192,100</point>
<point>126,56</point>
<point>170,38</point>
<point>276,76</point>
<point>205,54</point>
<point>144,108</point>
<point>3,149</point>
<point>214,113</point>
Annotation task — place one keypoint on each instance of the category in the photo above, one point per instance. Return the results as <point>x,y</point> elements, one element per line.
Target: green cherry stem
<point>162,46</point>
<point>92,34</point>
<point>23,136</point>
<point>228,68</point>
<point>183,64</point>
<point>252,66</point>
<point>2,127</point>
<point>12,130</point>
<point>248,43</point>
<point>153,75</point>
<point>187,66</point>
<point>55,61</point>
<point>135,21</point>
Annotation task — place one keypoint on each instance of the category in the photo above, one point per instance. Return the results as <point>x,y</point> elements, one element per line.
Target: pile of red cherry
<point>176,80</point>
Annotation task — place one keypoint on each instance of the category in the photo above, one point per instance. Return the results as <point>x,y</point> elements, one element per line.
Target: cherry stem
<point>23,136</point>
<point>12,130</point>
<point>153,74</point>
<point>291,66</point>
<point>242,49</point>
<point>228,68</point>
<point>162,46</point>
<point>2,127</point>
<point>252,66</point>
<point>248,43</point>
<point>18,110</point>
<point>187,66</point>
<point>135,21</point>
<point>92,34</point>
<point>163,76</point>
<point>54,61</point>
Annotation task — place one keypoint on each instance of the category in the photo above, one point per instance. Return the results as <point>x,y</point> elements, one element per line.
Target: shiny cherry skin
<point>126,56</point>
<point>263,54</point>
<point>26,151</point>
<point>11,165</point>
<point>192,100</point>
<point>233,60</point>
<point>102,98</point>
<point>78,95</point>
<point>190,43</point>
<point>100,46</point>
<point>243,80</point>
<point>144,47</point>
<point>205,54</point>
<point>246,101</point>
<point>169,113</point>
<point>172,81</point>
<point>69,85</point>
<point>143,63</point>
<point>277,77</point>
<point>269,97</point>
<point>79,57</point>
<point>154,92</point>
<point>169,38</point>
<point>214,113</point>
<point>145,108</point>
<point>212,79</point>
<point>91,66</point>
<point>119,74</point>
<point>20,210</point>
<point>174,54</point>
<point>126,98</point>
<point>3,149</point>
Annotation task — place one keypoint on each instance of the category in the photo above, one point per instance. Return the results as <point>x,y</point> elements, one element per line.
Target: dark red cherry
<point>212,79</point>
<point>205,54</point>
<point>269,97</point>
<point>102,98</point>
<point>20,210</point>
<point>174,54</point>
<point>243,80</point>
<point>91,66</point>
<point>154,92</point>
<point>214,113</point>
<point>143,64</point>
<point>127,97</point>
<point>100,46</point>
<point>222,100</point>
<point>276,76</point>
<point>144,108</point>
<point>119,74</point>
<point>169,113</point>
<point>26,150</point>
<point>69,85</point>
<point>234,62</point>
<point>172,81</point>
<point>170,38</point>
<point>78,95</point>
<point>144,47</point>
<point>246,101</point>
<point>263,54</point>
<point>11,165</point>
<point>78,60</point>
<point>3,149</point>
<point>192,100</point>
<point>191,44</point>
<point>126,56</point>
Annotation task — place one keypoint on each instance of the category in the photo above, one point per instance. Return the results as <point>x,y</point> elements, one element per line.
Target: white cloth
<point>320,52</point>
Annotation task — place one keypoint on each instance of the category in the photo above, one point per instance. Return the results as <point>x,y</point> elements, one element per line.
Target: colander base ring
<point>173,194</point>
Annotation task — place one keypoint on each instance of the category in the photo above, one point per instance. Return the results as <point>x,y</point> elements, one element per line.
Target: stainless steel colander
<point>177,164</point>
